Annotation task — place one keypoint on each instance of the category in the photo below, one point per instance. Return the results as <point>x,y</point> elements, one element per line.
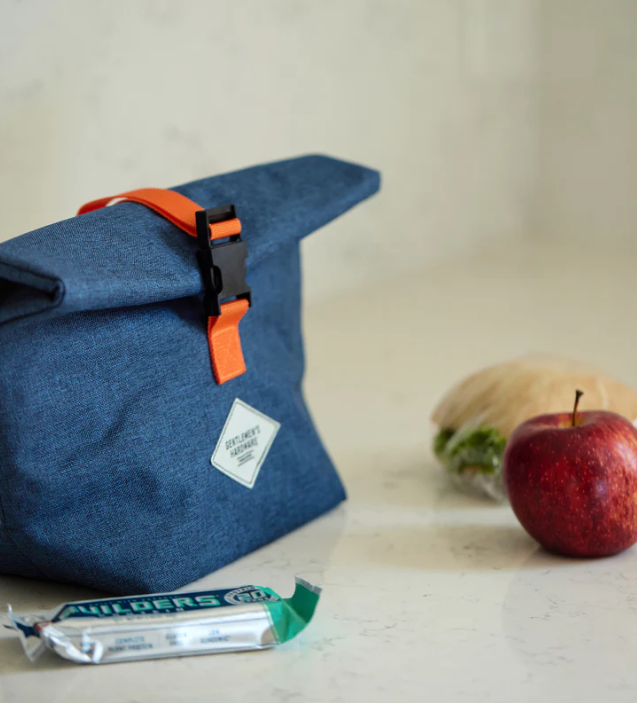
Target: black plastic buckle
<point>223,265</point>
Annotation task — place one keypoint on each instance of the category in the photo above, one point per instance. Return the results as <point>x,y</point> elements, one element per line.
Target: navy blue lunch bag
<point>152,422</point>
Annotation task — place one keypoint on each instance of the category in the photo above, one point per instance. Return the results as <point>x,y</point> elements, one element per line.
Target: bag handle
<point>224,340</point>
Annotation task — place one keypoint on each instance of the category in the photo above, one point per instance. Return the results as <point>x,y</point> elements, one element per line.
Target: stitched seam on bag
<point>60,291</point>
<point>24,269</point>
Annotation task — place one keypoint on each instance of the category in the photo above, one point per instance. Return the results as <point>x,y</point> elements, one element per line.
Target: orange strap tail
<point>223,335</point>
<point>223,331</point>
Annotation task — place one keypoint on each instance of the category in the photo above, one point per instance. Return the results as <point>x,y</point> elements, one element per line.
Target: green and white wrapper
<point>167,624</point>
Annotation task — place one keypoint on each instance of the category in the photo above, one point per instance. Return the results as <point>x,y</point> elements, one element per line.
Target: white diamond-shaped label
<point>244,443</point>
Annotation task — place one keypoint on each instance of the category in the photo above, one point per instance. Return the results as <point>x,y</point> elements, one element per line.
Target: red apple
<point>572,481</point>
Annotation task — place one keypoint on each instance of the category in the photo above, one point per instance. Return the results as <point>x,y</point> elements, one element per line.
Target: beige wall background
<point>491,120</point>
<point>440,95</point>
<point>588,121</point>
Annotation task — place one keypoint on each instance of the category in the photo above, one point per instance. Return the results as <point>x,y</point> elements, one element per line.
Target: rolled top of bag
<point>128,255</point>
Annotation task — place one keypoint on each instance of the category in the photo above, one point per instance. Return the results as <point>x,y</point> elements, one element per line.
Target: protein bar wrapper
<point>167,624</point>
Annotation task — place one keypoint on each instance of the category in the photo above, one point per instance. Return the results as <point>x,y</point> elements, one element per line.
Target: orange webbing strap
<point>223,336</point>
<point>223,331</point>
<point>175,207</point>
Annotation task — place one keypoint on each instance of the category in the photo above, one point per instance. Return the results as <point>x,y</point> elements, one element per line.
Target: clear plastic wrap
<point>475,419</point>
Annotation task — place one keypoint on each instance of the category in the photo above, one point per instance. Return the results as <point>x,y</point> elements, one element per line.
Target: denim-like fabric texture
<point>109,412</point>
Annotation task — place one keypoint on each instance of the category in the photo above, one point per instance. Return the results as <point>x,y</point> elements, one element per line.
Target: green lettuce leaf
<point>480,448</point>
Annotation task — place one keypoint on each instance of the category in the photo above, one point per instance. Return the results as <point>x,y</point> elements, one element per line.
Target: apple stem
<point>578,395</point>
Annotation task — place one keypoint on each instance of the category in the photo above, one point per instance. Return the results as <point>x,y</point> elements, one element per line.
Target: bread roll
<point>507,394</point>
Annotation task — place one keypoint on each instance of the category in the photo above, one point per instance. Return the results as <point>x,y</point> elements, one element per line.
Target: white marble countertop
<point>429,595</point>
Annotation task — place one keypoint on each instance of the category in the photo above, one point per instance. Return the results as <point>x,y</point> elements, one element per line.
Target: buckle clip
<point>223,265</point>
